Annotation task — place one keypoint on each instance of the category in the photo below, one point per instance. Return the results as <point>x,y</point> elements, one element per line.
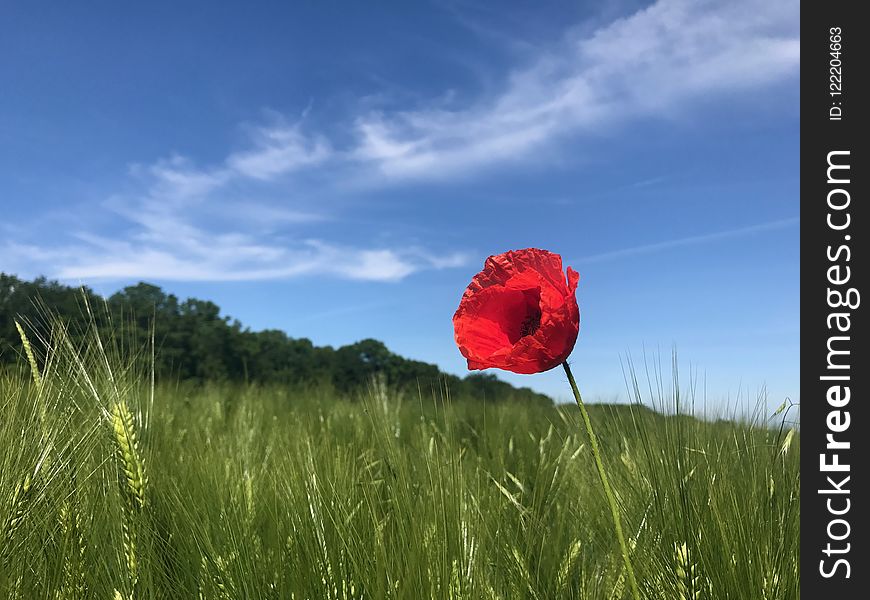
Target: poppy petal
<point>519,313</point>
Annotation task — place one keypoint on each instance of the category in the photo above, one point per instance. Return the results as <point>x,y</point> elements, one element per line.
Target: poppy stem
<point>605,483</point>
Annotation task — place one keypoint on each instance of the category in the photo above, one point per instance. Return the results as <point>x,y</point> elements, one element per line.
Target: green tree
<point>195,342</point>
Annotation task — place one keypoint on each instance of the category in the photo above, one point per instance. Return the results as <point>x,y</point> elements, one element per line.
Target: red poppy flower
<point>519,314</point>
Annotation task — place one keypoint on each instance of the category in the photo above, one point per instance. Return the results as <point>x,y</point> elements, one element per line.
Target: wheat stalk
<point>688,579</point>
<point>34,373</point>
<point>129,457</point>
<point>133,479</point>
<point>31,358</point>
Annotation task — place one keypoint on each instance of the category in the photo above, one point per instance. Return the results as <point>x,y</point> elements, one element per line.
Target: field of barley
<point>114,486</point>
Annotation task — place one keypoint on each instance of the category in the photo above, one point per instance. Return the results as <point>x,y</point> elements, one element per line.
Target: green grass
<point>113,488</point>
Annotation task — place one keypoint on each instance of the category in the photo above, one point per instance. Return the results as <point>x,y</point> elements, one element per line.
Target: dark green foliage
<point>194,342</point>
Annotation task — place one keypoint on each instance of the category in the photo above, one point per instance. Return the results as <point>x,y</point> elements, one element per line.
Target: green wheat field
<point>115,487</point>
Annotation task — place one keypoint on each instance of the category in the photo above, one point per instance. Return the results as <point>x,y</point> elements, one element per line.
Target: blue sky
<point>340,170</point>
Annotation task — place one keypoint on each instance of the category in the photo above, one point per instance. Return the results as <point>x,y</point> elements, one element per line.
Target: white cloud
<point>237,258</point>
<point>230,220</point>
<point>176,179</point>
<point>189,223</point>
<point>280,150</point>
<point>649,64</point>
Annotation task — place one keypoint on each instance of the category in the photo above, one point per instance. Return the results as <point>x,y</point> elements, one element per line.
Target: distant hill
<point>196,342</point>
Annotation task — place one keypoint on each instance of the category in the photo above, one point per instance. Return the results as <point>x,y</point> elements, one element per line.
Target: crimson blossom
<point>519,313</point>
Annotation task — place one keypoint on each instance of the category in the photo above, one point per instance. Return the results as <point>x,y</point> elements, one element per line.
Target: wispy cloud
<point>197,255</point>
<point>238,259</point>
<point>279,151</point>
<point>250,216</point>
<point>652,63</point>
<point>648,64</point>
<point>688,241</point>
<point>184,222</point>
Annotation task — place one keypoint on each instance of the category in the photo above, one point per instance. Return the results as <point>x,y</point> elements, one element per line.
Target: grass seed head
<point>130,458</point>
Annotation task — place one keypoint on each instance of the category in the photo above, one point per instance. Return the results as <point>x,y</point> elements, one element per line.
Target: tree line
<point>195,342</point>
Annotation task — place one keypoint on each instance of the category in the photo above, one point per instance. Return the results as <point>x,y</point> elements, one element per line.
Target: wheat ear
<point>688,580</point>
<point>31,358</point>
<point>133,479</point>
